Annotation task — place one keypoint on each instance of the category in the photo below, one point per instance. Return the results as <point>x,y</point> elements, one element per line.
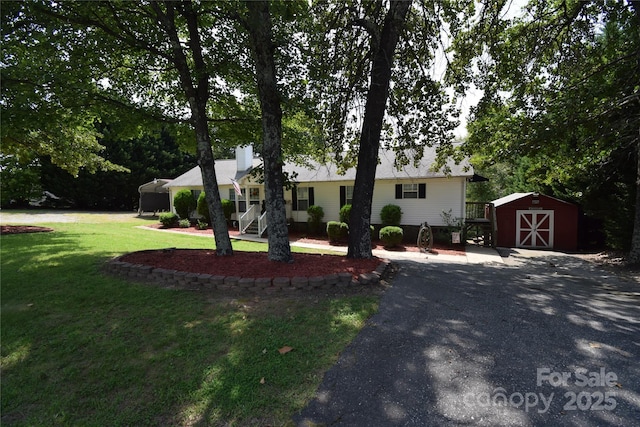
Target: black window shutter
<point>311,198</point>
<point>398,191</point>
<point>422,191</point>
<point>294,199</point>
<point>343,195</point>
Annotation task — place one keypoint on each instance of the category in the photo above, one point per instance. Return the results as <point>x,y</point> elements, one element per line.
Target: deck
<point>479,224</point>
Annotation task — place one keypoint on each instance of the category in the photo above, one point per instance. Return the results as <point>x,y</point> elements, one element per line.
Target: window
<point>242,204</point>
<point>411,191</point>
<point>346,195</point>
<point>254,195</point>
<point>302,198</point>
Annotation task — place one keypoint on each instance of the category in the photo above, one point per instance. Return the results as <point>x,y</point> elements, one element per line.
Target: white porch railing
<point>248,217</point>
<point>262,224</point>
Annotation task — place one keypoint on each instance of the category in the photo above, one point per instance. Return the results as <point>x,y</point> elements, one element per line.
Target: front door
<point>534,229</point>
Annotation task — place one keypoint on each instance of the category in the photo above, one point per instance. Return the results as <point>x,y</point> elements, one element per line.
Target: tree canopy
<point>561,101</point>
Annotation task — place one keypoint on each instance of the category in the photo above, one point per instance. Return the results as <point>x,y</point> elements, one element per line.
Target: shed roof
<point>510,198</point>
<point>516,196</point>
<point>327,172</point>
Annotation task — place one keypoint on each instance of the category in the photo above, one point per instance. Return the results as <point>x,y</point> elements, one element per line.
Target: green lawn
<point>81,348</point>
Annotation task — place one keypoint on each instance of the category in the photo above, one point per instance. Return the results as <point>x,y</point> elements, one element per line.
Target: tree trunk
<point>198,97</point>
<point>212,193</point>
<point>384,48</point>
<point>259,26</point>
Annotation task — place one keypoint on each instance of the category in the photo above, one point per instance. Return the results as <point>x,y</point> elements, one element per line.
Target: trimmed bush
<point>184,223</point>
<point>316,213</point>
<point>337,231</point>
<point>345,211</point>
<point>391,236</point>
<point>391,215</point>
<point>183,203</point>
<point>168,219</point>
<point>203,209</point>
<point>228,207</point>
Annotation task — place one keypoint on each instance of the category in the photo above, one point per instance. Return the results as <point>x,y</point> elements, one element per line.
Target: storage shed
<point>153,197</point>
<point>536,221</point>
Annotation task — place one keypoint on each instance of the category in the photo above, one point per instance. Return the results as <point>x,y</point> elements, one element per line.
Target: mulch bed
<point>304,238</point>
<point>20,229</point>
<point>250,264</point>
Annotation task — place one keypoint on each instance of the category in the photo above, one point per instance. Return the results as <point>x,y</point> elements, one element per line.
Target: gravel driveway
<point>540,341</point>
<point>37,216</point>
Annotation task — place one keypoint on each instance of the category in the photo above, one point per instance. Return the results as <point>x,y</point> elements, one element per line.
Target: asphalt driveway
<point>538,341</point>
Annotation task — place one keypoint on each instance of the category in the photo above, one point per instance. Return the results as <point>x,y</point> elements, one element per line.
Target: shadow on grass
<point>82,348</point>
<point>258,382</point>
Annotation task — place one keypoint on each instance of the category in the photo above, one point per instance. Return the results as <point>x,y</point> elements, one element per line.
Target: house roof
<point>327,172</point>
<point>225,171</point>
<point>385,170</point>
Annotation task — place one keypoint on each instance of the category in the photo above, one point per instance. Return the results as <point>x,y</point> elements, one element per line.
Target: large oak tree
<point>374,75</point>
<point>186,64</point>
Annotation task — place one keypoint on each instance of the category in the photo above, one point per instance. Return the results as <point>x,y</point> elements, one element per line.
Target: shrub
<point>228,207</point>
<point>202,225</point>
<point>203,209</point>
<point>183,203</point>
<point>337,231</point>
<point>345,211</point>
<point>391,236</point>
<point>391,215</point>
<point>453,224</point>
<point>184,223</point>
<point>316,213</point>
<point>168,219</point>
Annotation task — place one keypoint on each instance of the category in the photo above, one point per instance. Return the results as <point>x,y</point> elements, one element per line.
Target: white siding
<point>442,194</point>
<point>326,195</point>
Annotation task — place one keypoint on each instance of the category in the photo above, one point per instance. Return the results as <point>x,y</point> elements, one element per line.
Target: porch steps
<point>253,229</point>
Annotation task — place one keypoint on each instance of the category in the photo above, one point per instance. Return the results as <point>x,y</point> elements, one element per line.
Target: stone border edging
<point>174,279</point>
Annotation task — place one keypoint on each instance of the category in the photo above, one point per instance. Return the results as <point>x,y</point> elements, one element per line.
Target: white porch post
<point>237,208</point>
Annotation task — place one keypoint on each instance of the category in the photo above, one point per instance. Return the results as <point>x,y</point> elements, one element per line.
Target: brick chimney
<point>244,157</point>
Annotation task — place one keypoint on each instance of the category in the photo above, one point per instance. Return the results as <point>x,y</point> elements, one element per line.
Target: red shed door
<point>534,229</point>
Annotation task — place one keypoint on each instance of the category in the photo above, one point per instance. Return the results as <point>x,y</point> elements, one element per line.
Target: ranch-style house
<point>422,193</point>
